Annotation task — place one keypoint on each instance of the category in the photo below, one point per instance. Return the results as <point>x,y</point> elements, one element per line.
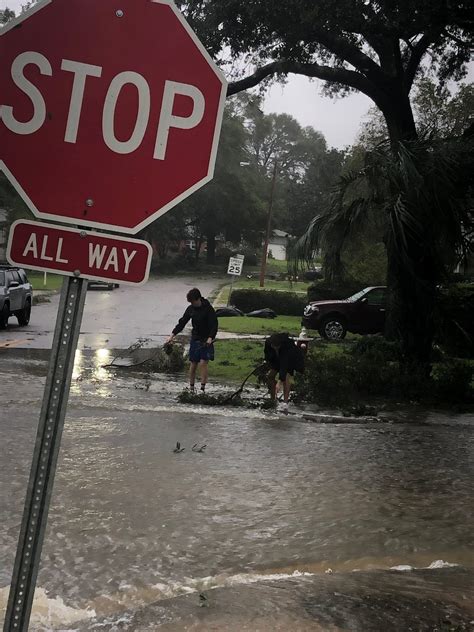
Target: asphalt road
<point>113,319</point>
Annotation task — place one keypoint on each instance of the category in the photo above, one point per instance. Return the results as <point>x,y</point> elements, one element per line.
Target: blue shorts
<point>200,351</point>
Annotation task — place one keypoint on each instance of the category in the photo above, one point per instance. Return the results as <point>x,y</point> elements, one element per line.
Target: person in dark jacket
<point>201,350</point>
<point>284,358</point>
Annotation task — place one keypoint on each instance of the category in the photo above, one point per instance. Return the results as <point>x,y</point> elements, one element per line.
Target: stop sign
<point>110,110</point>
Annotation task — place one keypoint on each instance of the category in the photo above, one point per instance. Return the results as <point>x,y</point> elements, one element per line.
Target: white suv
<point>16,295</point>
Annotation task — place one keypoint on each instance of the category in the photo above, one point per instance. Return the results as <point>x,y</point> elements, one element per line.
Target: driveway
<point>113,319</point>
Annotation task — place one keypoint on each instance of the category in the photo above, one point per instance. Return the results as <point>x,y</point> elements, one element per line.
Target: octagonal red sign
<point>110,110</point>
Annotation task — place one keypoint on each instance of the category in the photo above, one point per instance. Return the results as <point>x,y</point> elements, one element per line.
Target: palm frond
<point>420,192</point>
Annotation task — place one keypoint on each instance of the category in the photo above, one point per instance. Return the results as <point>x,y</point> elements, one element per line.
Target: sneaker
<point>203,388</point>
<point>192,389</point>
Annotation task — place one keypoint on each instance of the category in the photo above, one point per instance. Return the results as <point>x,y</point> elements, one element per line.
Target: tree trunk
<point>211,247</point>
<point>411,277</point>
<point>411,305</point>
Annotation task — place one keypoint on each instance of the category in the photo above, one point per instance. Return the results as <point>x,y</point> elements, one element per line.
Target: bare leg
<point>192,374</point>
<point>204,371</point>
<point>286,389</point>
<point>271,383</point>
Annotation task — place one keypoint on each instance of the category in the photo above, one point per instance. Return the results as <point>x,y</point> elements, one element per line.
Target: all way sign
<point>79,253</point>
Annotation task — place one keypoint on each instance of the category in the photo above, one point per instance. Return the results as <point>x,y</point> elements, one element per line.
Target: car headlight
<point>310,309</point>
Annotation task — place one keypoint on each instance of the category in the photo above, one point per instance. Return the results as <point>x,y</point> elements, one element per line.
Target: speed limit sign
<point>235,265</point>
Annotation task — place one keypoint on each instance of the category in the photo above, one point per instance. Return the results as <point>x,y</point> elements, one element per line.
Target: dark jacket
<point>204,321</point>
<point>288,359</point>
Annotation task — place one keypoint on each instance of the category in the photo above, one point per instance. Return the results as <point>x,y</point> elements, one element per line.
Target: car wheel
<point>333,328</point>
<point>23,316</point>
<point>4,316</point>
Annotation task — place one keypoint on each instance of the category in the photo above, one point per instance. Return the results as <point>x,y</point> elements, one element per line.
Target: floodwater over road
<point>263,514</point>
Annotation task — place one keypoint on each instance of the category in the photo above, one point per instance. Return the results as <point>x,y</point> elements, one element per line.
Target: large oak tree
<point>379,48</point>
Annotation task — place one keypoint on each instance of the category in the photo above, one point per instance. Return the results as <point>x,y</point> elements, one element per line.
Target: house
<point>278,244</point>
<point>3,233</point>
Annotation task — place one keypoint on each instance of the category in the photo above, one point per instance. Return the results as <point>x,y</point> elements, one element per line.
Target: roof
<point>280,233</point>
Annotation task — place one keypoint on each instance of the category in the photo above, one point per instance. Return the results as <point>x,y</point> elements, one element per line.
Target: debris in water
<point>203,399</point>
<point>178,448</point>
<point>201,449</point>
<point>203,601</point>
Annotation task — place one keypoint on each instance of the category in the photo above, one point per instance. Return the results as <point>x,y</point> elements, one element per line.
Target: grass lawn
<point>263,326</point>
<point>270,284</point>
<point>235,359</point>
<point>53,281</point>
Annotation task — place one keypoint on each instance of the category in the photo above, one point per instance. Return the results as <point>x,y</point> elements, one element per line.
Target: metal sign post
<point>43,468</point>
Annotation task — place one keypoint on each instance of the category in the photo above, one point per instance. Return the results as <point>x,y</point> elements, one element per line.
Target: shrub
<point>453,380</point>
<point>455,319</point>
<point>371,368</point>
<point>377,349</point>
<point>327,380</point>
<point>283,303</point>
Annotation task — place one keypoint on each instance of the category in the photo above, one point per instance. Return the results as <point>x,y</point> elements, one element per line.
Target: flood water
<point>271,499</point>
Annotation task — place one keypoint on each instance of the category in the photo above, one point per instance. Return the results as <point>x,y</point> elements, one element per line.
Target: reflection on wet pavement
<point>132,523</point>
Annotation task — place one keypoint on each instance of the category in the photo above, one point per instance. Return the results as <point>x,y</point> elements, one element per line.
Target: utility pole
<point>263,267</point>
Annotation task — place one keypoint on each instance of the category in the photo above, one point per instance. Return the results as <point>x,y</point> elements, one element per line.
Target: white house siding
<point>278,251</point>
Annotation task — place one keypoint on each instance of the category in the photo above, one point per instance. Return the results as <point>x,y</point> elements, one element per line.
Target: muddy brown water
<point>269,522</point>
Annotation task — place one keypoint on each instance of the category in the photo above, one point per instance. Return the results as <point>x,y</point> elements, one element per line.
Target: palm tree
<point>419,193</point>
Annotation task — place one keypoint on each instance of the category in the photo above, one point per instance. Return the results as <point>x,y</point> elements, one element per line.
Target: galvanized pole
<point>45,456</point>
<point>231,289</point>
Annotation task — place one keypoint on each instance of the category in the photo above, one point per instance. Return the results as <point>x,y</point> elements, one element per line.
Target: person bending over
<point>284,358</point>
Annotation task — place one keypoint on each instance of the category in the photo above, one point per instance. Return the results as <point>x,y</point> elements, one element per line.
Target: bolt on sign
<point>110,114</point>
<point>110,111</point>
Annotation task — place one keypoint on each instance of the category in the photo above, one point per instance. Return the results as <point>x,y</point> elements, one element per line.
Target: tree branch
<point>349,52</point>
<point>417,52</point>
<point>327,73</point>
<point>458,40</point>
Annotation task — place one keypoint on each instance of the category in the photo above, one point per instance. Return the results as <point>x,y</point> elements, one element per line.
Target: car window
<point>2,277</point>
<point>22,276</point>
<point>357,296</point>
<point>376,297</point>
<point>15,276</point>
<point>8,277</point>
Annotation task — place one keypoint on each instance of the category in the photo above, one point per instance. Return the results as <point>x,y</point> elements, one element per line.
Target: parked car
<point>16,295</point>
<point>101,285</point>
<point>362,313</point>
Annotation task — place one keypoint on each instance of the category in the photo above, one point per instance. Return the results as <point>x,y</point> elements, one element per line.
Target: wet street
<point>274,516</point>
<point>113,319</point>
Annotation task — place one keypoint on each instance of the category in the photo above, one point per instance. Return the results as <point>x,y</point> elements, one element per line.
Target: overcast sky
<point>338,119</point>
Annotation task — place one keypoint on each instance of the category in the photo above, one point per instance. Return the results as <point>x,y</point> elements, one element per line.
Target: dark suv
<point>362,313</point>
<point>16,295</point>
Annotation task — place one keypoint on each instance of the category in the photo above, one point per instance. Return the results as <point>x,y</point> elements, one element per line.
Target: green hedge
<point>371,368</point>
<point>283,303</point>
